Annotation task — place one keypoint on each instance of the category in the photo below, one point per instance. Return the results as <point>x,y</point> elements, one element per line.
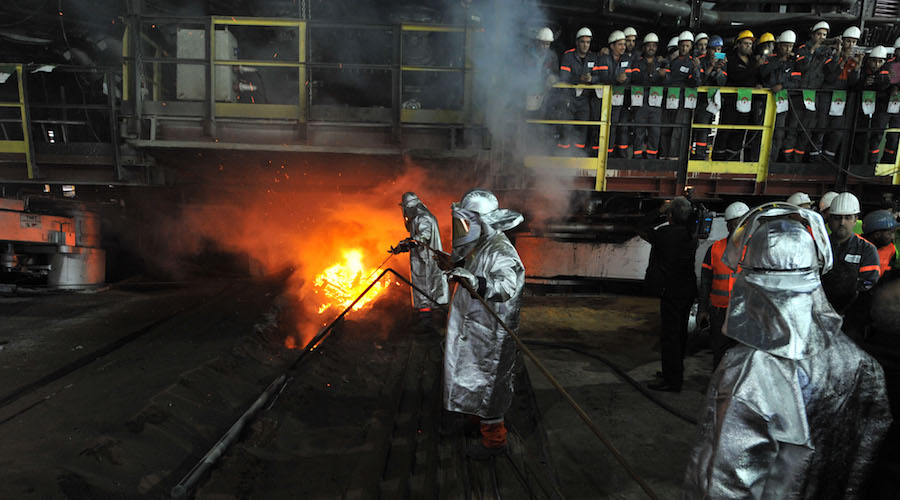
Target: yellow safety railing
<point>22,146</point>
<point>890,169</point>
<point>759,167</point>
<point>258,110</point>
<point>597,164</point>
<point>441,115</point>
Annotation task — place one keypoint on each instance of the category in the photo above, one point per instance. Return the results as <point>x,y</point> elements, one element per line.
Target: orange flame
<point>340,284</point>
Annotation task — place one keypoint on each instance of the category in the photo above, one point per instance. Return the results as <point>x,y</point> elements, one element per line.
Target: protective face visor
<point>736,250</point>
<point>466,232</point>
<point>466,226</point>
<point>407,217</point>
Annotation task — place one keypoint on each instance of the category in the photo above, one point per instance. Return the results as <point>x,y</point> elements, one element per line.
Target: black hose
<point>620,372</point>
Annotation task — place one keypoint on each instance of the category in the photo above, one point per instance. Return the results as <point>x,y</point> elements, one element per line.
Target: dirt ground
<point>624,329</point>
<point>129,423</point>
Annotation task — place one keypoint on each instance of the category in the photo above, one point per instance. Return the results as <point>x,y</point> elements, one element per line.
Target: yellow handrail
<point>19,146</point>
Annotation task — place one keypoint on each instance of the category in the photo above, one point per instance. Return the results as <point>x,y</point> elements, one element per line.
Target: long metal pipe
<point>674,8</point>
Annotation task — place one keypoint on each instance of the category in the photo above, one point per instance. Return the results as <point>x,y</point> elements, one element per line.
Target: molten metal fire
<point>341,283</point>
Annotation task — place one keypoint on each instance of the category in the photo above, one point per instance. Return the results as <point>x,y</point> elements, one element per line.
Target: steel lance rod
<point>189,482</point>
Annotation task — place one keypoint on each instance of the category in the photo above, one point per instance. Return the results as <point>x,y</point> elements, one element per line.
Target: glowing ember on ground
<point>341,283</point>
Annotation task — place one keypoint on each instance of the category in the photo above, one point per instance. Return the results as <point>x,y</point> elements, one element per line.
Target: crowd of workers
<point>795,406</point>
<point>819,84</point>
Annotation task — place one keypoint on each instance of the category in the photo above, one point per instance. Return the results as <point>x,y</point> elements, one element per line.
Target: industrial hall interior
<point>449,249</point>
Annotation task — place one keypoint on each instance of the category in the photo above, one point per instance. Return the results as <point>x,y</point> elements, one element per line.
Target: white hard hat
<point>651,37</point>
<point>615,36</point>
<point>700,36</point>
<point>629,31</point>
<point>736,210</point>
<point>821,25</point>
<point>584,32</point>
<point>851,32</point>
<point>787,37</point>
<point>673,42</point>
<point>799,198</point>
<point>845,204</point>
<point>686,36</point>
<point>544,35</point>
<point>825,202</point>
<point>879,52</point>
<point>897,43</point>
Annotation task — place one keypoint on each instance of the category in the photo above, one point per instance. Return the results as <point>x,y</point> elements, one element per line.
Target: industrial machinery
<point>124,94</point>
<point>45,241</point>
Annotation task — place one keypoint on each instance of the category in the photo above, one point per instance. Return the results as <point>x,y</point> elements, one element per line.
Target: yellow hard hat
<point>767,37</point>
<point>746,34</point>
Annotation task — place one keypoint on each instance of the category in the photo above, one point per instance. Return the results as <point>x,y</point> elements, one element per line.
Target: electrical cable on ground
<point>620,372</point>
<point>581,413</point>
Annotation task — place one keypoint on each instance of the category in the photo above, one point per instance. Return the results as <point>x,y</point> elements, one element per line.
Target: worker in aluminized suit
<point>480,355</point>
<point>424,271</point>
<point>796,409</point>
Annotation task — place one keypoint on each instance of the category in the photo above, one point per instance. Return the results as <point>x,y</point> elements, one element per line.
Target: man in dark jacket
<point>873,117</point>
<point>841,73</point>
<point>615,69</point>
<point>712,74</point>
<point>670,273</point>
<point>578,66</point>
<point>890,144</point>
<point>856,267</point>
<point>778,73</point>
<point>651,70</point>
<point>743,71</point>
<point>810,62</point>
<point>684,72</point>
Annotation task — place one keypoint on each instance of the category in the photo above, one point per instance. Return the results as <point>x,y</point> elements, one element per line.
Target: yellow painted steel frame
<point>760,167</point>
<point>23,146</point>
<point>443,116</point>
<point>597,164</point>
<point>272,111</point>
<point>893,170</point>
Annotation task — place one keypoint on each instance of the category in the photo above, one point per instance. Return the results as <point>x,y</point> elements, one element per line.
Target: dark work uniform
<point>840,74</point>
<point>868,141</point>
<point>670,273</point>
<point>709,77</point>
<point>890,143</point>
<point>740,74</point>
<point>608,70</point>
<point>645,73</point>
<point>681,74</point>
<point>856,270</point>
<point>580,104</point>
<point>777,71</point>
<point>811,65</point>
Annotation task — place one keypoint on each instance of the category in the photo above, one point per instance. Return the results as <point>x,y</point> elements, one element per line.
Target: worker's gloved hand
<point>702,319</point>
<point>463,274</point>
<point>404,246</point>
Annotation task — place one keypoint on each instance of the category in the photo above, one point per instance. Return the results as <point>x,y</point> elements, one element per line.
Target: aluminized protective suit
<point>796,409</point>
<point>423,269</point>
<point>480,355</point>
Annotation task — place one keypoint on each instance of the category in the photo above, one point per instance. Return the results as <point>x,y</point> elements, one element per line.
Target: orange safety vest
<point>723,279</point>
<point>886,255</point>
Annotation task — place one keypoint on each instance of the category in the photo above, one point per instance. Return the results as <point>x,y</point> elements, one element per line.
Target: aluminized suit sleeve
<point>502,278</point>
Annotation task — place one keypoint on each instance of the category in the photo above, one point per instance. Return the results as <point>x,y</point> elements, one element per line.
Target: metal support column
<point>396,84</point>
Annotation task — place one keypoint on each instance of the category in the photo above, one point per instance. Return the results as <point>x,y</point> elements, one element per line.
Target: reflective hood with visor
<point>777,303</point>
<point>477,216</point>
